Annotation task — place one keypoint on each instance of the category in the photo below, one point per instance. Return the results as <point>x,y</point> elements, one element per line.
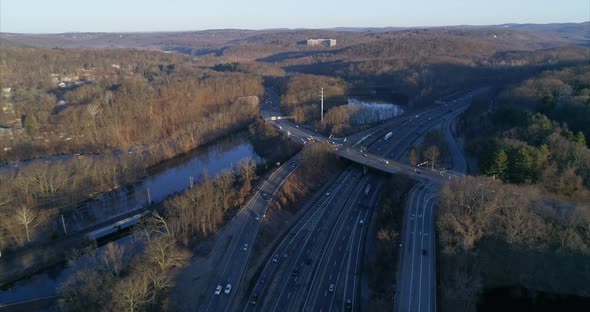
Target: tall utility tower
<point>322,105</point>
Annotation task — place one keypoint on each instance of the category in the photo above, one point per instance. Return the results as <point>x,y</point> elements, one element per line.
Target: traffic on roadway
<point>228,269</point>
<point>416,288</point>
<point>317,265</point>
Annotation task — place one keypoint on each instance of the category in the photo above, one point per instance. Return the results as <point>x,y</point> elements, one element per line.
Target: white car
<point>331,287</point>
<point>218,290</point>
<point>328,194</point>
<point>245,248</point>
<point>228,288</point>
<point>361,222</point>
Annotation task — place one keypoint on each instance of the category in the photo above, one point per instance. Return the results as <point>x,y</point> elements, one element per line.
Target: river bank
<point>168,179</point>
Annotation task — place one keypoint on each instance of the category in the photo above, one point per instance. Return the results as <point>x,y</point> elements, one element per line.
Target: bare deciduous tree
<point>29,218</point>
<point>431,154</point>
<point>112,258</point>
<point>164,252</point>
<point>247,169</point>
<point>467,209</point>
<point>224,182</point>
<point>133,292</point>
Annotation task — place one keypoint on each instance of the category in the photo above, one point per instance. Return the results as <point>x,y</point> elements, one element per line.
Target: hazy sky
<point>54,16</point>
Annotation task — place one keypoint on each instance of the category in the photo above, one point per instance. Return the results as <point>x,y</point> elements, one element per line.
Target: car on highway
<point>361,222</point>
<point>275,259</point>
<point>228,288</point>
<point>265,196</point>
<point>365,155</point>
<point>218,290</point>
<point>254,298</point>
<point>245,247</point>
<point>295,272</point>
<point>331,287</point>
<point>348,303</point>
<point>327,193</point>
<point>257,217</point>
<point>424,252</point>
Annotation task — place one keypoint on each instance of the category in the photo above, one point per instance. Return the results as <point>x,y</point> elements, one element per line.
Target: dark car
<point>254,299</point>
<point>295,272</point>
<point>348,303</point>
<point>423,252</point>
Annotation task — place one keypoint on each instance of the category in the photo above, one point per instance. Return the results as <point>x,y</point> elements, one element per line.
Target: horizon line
<point>285,28</point>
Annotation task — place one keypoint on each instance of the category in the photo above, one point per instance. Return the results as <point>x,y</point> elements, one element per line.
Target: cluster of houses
<point>81,76</point>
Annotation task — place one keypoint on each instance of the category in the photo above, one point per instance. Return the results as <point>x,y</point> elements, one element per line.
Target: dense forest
<point>416,67</point>
<point>535,132</point>
<point>508,229</point>
<point>128,109</point>
<point>494,234</point>
<point>108,107</point>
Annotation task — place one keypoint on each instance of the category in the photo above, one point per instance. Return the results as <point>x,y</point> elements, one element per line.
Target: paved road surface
<point>416,289</point>
<point>316,267</point>
<point>299,248</point>
<point>230,267</point>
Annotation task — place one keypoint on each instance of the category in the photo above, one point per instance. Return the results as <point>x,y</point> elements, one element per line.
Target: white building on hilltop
<point>324,42</point>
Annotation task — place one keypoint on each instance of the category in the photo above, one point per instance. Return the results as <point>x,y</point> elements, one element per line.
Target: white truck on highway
<point>388,135</point>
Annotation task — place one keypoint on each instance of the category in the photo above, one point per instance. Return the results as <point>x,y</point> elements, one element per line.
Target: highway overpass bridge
<point>390,166</point>
<point>350,151</point>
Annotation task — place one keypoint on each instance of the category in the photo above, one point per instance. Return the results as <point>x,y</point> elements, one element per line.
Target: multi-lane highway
<point>231,261</point>
<point>335,285</point>
<point>316,266</point>
<point>416,287</point>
